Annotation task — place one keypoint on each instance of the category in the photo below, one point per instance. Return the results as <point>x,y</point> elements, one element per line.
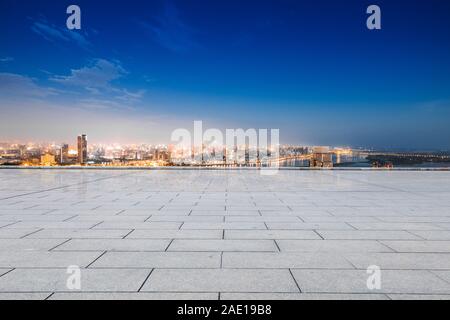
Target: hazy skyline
<point>137,70</point>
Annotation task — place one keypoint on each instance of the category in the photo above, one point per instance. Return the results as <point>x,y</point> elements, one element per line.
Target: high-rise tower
<point>82,149</point>
<point>64,154</point>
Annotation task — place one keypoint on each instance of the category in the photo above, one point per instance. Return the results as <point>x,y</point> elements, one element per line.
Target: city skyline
<point>238,152</point>
<point>136,72</point>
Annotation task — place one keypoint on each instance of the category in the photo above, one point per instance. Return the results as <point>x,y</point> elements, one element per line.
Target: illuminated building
<point>48,160</point>
<point>322,158</point>
<point>82,149</point>
<point>64,154</point>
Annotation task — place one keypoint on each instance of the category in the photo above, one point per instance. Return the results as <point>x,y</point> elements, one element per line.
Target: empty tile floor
<point>224,234</point>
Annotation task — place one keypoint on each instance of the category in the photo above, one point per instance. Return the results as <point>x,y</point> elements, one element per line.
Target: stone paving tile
<point>332,246</point>
<point>10,233</point>
<point>368,235</point>
<point>113,245</point>
<point>395,226</point>
<point>226,213</point>
<point>445,275</point>
<point>158,260</point>
<point>218,280</point>
<point>4,211</point>
<point>284,260</point>
<point>4,271</point>
<point>271,234</point>
<point>175,234</point>
<point>28,244</point>
<point>445,226</point>
<point>355,281</point>
<point>173,218</point>
<point>135,296</point>
<point>349,219</point>
<point>52,225</point>
<point>224,225</point>
<point>301,296</point>
<point>24,295</point>
<point>410,261</point>
<point>39,280</point>
<point>415,219</point>
<point>79,233</point>
<point>138,225</point>
<point>290,218</point>
<point>419,296</point>
<point>6,223</point>
<point>134,212</point>
<point>309,226</point>
<point>45,259</point>
<point>223,245</point>
<point>22,217</point>
<point>431,235</point>
<point>108,218</point>
<point>418,246</point>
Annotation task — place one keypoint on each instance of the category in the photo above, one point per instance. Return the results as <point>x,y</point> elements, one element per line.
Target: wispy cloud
<point>97,78</point>
<point>130,97</point>
<point>53,33</point>
<point>27,91</point>
<point>90,87</point>
<point>170,31</point>
<point>97,75</point>
<point>19,86</point>
<point>102,104</point>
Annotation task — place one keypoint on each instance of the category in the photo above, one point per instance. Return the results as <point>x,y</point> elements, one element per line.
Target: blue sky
<point>139,69</point>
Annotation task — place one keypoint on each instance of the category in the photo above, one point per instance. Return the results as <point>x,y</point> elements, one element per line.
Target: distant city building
<point>322,158</point>
<point>82,149</point>
<point>48,160</point>
<point>64,154</point>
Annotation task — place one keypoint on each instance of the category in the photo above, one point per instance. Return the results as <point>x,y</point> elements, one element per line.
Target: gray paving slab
<point>175,234</point>
<point>217,280</point>
<point>332,246</point>
<point>368,235</point>
<point>445,275</point>
<point>10,233</point>
<point>45,259</point>
<point>24,295</point>
<point>395,226</point>
<point>4,271</point>
<point>28,244</point>
<point>138,225</point>
<point>223,245</point>
<point>419,296</point>
<point>418,246</point>
<point>114,245</point>
<point>159,260</point>
<point>134,296</point>
<point>432,235</point>
<point>410,261</point>
<point>271,234</point>
<point>309,226</point>
<point>300,296</point>
<point>355,281</point>
<point>27,217</point>
<point>79,233</point>
<point>284,260</point>
<point>174,218</point>
<point>44,280</point>
<point>225,225</point>
<point>52,225</point>
<point>110,218</point>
